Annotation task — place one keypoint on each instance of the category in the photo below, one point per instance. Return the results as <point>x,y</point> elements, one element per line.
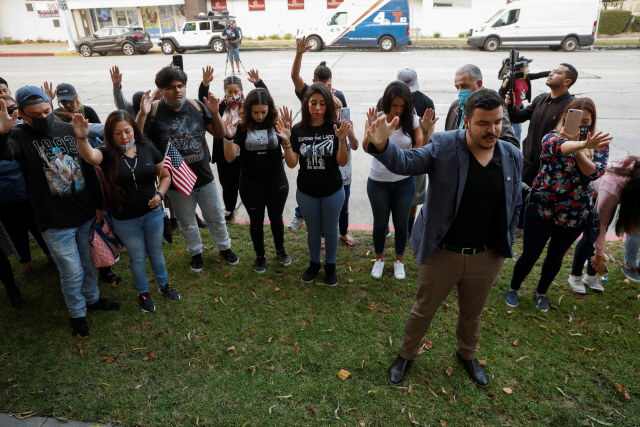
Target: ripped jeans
<point>270,194</point>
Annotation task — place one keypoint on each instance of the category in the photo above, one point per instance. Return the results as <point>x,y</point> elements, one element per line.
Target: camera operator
<point>468,80</point>
<point>522,87</point>
<point>232,37</point>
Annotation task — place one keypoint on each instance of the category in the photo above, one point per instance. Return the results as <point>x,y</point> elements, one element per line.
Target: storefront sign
<point>218,5</point>
<point>256,5</point>
<point>332,4</point>
<point>296,4</point>
<point>47,9</point>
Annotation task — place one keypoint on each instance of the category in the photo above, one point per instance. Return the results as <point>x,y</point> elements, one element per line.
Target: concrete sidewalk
<point>7,420</point>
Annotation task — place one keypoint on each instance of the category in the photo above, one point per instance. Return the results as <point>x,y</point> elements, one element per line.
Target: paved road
<point>610,78</point>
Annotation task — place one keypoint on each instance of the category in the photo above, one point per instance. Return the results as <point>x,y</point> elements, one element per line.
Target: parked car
<point>128,40</point>
<point>204,32</point>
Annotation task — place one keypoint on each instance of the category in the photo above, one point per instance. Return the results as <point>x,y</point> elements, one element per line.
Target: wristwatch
<point>228,141</point>
<point>161,194</point>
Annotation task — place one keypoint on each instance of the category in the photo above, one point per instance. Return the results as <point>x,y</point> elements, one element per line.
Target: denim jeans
<point>71,252</point>
<point>321,216</point>
<point>631,248</point>
<point>517,129</point>
<point>185,209</point>
<point>143,235</point>
<point>234,52</point>
<point>395,197</point>
<point>344,213</point>
<point>297,212</point>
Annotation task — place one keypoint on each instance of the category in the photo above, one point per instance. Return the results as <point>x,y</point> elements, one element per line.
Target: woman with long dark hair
<point>131,166</point>
<point>390,193</point>
<point>320,147</point>
<point>568,165</point>
<point>263,183</point>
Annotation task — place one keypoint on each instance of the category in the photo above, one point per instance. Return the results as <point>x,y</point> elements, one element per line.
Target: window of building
<point>452,3</point>
<point>121,18</point>
<point>133,17</point>
<point>339,18</point>
<point>30,7</point>
<point>100,18</point>
<point>56,23</point>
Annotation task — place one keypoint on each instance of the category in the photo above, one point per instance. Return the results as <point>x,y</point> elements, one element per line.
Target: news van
<point>564,25</point>
<point>362,23</point>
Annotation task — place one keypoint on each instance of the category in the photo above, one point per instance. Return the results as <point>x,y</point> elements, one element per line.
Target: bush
<point>261,37</point>
<point>288,36</point>
<point>436,35</point>
<point>247,38</point>
<point>635,25</point>
<point>9,41</point>
<point>463,35</point>
<point>613,21</point>
<point>274,36</point>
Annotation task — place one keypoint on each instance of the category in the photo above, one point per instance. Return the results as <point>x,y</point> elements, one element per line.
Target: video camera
<point>512,64</point>
<point>531,196</point>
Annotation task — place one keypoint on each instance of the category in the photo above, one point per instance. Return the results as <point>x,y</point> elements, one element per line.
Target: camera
<point>531,195</point>
<point>512,64</point>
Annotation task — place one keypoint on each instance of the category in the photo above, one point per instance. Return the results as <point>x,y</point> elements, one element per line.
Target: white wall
<point>451,21</point>
<point>17,23</point>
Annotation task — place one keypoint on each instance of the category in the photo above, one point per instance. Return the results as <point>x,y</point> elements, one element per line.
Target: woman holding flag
<point>131,166</point>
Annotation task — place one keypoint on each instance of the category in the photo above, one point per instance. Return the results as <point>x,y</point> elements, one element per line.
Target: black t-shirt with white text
<point>186,130</point>
<point>138,192</point>
<point>260,153</point>
<point>317,147</point>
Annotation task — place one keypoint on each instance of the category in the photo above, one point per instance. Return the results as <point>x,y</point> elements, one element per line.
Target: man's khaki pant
<point>473,275</point>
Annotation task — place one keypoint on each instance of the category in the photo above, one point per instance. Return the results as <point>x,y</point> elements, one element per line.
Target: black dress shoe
<point>475,371</point>
<point>399,370</point>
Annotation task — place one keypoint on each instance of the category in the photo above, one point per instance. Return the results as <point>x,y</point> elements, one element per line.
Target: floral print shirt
<point>568,191</point>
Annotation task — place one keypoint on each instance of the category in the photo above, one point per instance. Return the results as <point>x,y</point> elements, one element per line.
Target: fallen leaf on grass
<point>623,391</point>
<point>522,358</point>
<point>312,409</point>
<point>443,423</point>
<point>358,268</point>
<point>449,371</point>
<point>138,386</point>
<point>181,251</point>
<point>482,362</point>
<point>152,353</point>
<point>343,375</point>
<point>599,422</point>
<point>82,353</point>
<point>350,280</point>
<point>252,331</point>
<point>627,281</point>
<point>11,380</point>
<point>507,390</point>
<point>79,337</point>
<point>421,351</point>
<point>427,344</point>
<point>637,317</point>
<point>113,285</point>
<point>233,347</point>
<point>217,260</point>
<point>144,359</point>
<point>109,359</point>
<point>411,419</point>
<point>269,340</point>
<point>560,390</point>
<point>298,349</point>
<point>271,407</point>
<point>372,307</point>
<point>277,289</point>
<point>227,275</point>
<point>515,342</point>
<point>433,392</point>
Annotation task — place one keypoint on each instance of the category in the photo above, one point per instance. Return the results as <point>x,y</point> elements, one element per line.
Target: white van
<point>559,24</point>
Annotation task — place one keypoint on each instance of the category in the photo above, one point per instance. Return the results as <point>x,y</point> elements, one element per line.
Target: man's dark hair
<point>3,82</point>
<point>571,73</point>
<point>168,74</point>
<point>484,98</point>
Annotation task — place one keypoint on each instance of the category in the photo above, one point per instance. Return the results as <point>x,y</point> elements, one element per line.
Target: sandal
<point>349,241</point>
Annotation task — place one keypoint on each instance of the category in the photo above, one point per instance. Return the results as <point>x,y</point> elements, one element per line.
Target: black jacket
<point>534,76</point>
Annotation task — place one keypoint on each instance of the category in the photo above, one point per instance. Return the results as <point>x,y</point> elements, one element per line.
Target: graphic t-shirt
<point>186,130</point>
<point>60,193</point>
<point>261,157</point>
<point>138,192</point>
<point>520,90</point>
<point>319,174</point>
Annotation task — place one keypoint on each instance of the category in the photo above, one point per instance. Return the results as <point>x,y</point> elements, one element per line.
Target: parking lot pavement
<point>610,78</point>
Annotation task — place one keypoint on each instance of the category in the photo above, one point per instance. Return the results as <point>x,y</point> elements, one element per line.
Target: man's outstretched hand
<point>380,131</point>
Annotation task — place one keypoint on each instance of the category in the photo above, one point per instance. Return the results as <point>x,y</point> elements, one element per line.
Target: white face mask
<point>124,147</point>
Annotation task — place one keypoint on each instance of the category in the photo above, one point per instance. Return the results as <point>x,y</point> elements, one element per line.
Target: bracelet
<point>81,137</point>
<point>161,194</point>
<point>228,141</point>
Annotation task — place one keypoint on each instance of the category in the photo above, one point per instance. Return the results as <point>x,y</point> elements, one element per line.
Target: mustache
<point>490,135</point>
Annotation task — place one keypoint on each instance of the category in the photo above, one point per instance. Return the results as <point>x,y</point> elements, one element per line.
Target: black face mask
<point>584,130</point>
<point>43,124</point>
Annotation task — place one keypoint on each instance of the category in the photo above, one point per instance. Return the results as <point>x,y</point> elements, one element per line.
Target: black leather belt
<point>463,251</point>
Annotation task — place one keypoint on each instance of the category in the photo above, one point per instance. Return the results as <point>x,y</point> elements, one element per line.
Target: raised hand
<point>380,131</point>
<point>156,95</point>
<point>80,126</point>
<point>47,87</point>
<point>597,141</point>
<point>116,76</point>
<point>254,77</point>
<point>286,115</point>
<point>212,104</point>
<point>283,130</point>
<point>207,75</point>
<point>229,127</point>
<point>6,121</point>
<point>145,104</point>
<point>427,121</point>
<point>302,45</point>
<point>372,115</point>
<point>343,130</point>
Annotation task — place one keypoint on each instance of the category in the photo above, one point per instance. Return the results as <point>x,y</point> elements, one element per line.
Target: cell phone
<point>345,114</point>
<point>177,61</point>
<point>574,117</point>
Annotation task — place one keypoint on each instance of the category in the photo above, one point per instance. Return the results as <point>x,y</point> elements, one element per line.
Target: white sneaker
<point>593,282</point>
<point>575,282</point>
<point>296,223</point>
<point>398,270</point>
<point>378,267</point>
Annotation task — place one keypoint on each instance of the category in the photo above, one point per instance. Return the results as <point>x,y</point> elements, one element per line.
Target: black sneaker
<point>16,297</point>
<point>196,263</point>
<point>230,257</point>
<point>109,276</point>
<point>259,265</point>
<point>174,223</point>
<point>79,328</point>
<point>311,273</point>
<point>331,277</point>
<point>200,221</point>
<point>169,292</point>
<point>283,257</point>
<point>229,216</point>
<point>146,305</point>
<point>103,304</point>
<point>542,302</point>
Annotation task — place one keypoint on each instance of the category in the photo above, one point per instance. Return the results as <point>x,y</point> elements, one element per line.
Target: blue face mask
<point>463,95</point>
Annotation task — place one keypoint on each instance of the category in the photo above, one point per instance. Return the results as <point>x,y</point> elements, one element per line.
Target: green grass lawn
<point>242,349</point>
<point>617,42</point>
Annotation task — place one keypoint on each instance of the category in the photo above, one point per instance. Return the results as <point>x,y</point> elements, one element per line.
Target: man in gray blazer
<point>465,230</point>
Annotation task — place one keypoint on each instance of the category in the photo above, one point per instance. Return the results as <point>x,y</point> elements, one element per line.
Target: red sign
<point>256,5</point>
<point>296,4</point>
<point>332,4</point>
<point>218,5</point>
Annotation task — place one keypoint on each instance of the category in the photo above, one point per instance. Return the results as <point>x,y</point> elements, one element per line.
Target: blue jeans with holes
<point>71,252</point>
<point>397,198</point>
<point>142,237</point>
<point>631,248</point>
<point>321,216</point>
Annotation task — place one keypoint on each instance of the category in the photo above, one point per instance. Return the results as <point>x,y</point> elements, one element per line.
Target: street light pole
<point>66,20</point>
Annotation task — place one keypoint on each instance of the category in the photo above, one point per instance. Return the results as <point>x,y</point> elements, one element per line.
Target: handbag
<point>104,243</point>
<point>592,226</point>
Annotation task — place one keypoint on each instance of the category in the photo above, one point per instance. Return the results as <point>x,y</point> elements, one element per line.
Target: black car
<point>128,40</point>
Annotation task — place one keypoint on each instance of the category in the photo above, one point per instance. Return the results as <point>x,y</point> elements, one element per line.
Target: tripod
<point>227,63</point>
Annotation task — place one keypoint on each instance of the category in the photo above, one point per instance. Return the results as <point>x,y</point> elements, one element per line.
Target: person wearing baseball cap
<point>232,36</point>
<point>64,218</point>
<point>69,102</point>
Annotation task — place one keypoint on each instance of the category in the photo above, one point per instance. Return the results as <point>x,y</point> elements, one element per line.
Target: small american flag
<point>182,177</point>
